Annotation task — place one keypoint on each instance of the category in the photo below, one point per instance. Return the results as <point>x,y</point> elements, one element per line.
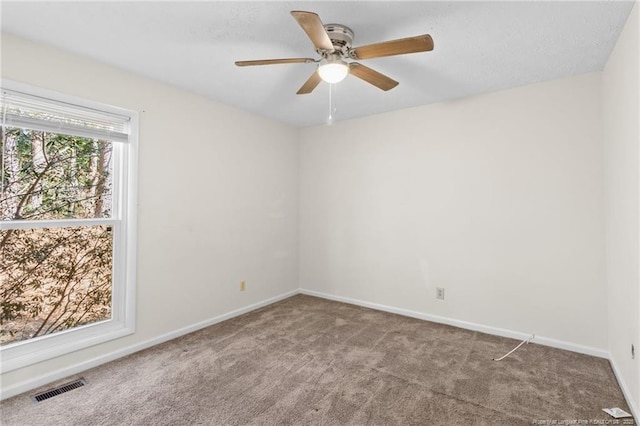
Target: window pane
<point>54,176</point>
<point>53,279</point>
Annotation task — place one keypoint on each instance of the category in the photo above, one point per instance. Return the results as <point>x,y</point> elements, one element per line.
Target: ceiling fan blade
<point>312,25</point>
<point>379,80</point>
<point>310,84</point>
<point>422,43</point>
<point>274,61</point>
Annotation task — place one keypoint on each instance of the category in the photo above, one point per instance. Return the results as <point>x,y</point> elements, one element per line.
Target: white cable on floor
<point>527,340</point>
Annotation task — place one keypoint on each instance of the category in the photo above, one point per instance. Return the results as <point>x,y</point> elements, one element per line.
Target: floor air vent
<point>59,390</point>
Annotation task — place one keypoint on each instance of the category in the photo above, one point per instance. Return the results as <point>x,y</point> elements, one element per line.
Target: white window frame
<point>124,225</point>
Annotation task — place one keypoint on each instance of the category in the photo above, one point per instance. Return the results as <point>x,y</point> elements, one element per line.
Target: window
<point>67,225</point>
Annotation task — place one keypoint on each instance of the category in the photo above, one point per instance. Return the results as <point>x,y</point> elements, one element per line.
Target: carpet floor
<point>309,361</point>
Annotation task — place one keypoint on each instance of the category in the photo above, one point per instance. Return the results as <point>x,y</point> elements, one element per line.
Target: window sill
<point>29,352</point>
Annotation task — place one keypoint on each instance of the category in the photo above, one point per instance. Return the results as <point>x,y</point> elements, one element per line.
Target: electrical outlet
<point>440,293</point>
<point>243,285</point>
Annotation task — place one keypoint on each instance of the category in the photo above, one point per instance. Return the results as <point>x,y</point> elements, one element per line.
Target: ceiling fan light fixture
<point>333,70</point>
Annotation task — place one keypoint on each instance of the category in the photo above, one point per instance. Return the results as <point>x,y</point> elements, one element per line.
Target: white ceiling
<point>479,47</point>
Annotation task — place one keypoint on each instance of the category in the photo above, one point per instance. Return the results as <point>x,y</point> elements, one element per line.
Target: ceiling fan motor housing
<point>341,36</point>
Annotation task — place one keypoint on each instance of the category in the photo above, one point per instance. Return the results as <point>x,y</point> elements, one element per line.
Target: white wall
<point>218,198</point>
<point>496,198</point>
<point>621,101</point>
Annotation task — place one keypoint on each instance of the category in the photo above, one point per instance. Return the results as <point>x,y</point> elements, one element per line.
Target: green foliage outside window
<point>58,276</point>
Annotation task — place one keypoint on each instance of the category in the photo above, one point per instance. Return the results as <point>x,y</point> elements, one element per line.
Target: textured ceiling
<point>479,47</point>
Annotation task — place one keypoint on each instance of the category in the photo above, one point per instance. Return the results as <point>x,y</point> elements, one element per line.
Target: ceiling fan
<point>333,43</point>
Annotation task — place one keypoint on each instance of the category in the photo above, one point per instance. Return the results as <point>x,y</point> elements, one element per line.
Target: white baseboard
<point>600,353</point>
<point>625,389</point>
<point>545,341</point>
<point>42,380</point>
<point>28,385</point>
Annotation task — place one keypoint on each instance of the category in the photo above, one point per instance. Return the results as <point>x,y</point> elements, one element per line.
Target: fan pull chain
<point>332,108</point>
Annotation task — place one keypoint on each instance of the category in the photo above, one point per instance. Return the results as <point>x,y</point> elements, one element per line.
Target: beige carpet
<point>310,361</point>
